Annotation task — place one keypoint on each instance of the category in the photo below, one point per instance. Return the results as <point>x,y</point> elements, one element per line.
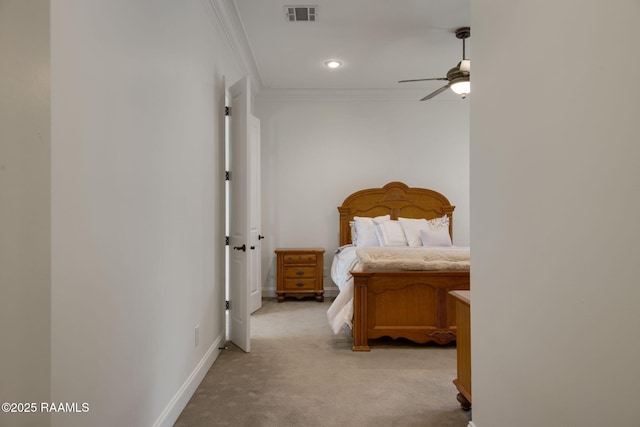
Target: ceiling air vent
<point>301,13</point>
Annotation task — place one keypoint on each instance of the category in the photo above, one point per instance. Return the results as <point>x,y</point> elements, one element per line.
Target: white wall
<point>137,228</point>
<point>318,149</point>
<point>555,166</point>
<point>25,233</point>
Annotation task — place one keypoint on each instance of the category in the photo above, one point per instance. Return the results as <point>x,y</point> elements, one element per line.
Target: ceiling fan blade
<point>422,80</point>
<point>436,92</point>
<point>465,65</point>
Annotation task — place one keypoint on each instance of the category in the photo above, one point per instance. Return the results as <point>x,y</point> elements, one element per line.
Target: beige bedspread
<point>414,258</point>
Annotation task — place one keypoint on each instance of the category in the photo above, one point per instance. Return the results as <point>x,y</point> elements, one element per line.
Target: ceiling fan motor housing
<point>456,73</point>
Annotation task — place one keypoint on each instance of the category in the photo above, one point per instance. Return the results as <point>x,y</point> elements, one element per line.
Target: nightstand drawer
<point>299,272</point>
<point>300,259</point>
<point>299,284</point>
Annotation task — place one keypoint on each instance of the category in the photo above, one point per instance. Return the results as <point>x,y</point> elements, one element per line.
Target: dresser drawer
<point>299,284</point>
<point>299,272</point>
<point>299,259</point>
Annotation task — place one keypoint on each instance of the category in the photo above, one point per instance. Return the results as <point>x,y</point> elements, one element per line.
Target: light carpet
<point>299,373</point>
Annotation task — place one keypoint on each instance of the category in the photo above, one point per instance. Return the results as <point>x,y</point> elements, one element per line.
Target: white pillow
<point>438,237</point>
<point>354,234</point>
<point>438,223</point>
<point>411,228</point>
<point>390,233</point>
<point>365,232</point>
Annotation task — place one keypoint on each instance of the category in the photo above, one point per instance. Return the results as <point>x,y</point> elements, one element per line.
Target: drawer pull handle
<point>300,273</point>
<point>299,284</point>
<point>242,248</point>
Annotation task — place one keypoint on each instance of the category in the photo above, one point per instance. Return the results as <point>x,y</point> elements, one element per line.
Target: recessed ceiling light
<point>333,64</point>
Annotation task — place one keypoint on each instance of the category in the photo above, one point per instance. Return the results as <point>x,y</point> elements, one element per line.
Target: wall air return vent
<point>301,13</point>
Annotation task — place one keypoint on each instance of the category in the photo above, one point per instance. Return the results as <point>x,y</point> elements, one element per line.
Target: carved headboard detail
<point>396,199</point>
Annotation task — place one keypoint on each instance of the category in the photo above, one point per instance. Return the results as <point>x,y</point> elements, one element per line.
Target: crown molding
<point>346,95</point>
<point>231,25</point>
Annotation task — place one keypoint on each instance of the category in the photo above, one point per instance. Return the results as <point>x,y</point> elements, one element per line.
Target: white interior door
<point>245,278</point>
<point>253,214</point>
<point>239,315</point>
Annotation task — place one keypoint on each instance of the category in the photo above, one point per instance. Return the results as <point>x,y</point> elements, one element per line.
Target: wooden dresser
<point>463,345</point>
<point>299,273</point>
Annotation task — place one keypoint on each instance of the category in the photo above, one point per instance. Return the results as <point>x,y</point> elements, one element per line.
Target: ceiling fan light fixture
<point>461,86</point>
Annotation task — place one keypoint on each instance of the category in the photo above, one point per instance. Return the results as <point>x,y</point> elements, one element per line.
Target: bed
<point>405,300</point>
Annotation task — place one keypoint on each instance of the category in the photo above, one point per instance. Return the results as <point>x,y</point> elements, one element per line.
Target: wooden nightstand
<point>300,273</point>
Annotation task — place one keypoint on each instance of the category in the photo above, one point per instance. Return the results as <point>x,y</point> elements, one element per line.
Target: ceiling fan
<point>458,77</point>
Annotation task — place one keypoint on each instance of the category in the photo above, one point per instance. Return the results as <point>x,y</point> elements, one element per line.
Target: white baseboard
<point>471,424</point>
<point>175,407</point>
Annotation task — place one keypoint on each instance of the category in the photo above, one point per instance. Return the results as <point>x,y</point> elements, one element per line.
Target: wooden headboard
<point>396,199</point>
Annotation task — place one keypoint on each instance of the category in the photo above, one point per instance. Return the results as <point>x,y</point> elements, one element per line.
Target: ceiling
<point>379,42</point>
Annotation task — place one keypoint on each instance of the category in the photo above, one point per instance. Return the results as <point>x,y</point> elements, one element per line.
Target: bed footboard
<point>415,305</point>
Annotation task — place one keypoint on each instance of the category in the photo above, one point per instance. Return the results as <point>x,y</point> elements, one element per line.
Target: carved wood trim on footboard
<point>415,305</point>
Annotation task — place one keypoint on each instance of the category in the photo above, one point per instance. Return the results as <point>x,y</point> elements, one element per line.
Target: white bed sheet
<point>345,260</point>
<point>340,313</point>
